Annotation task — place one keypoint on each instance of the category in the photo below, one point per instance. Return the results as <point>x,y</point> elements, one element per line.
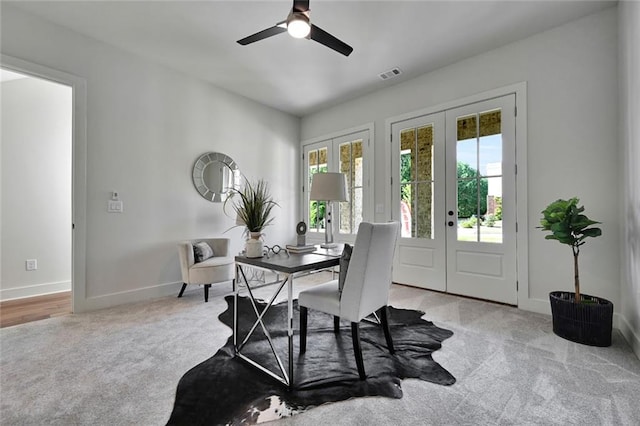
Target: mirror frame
<point>215,195</point>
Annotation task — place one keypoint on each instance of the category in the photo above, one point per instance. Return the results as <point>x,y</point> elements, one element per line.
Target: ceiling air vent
<point>394,72</point>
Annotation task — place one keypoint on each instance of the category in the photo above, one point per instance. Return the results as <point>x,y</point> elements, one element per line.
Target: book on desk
<point>333,251</point>
<point>300,249</point>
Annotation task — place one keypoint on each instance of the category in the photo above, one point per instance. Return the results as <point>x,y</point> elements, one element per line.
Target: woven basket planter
<point>587,323</point>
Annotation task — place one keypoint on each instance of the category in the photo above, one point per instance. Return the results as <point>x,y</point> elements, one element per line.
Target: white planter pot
<point>253,246</point>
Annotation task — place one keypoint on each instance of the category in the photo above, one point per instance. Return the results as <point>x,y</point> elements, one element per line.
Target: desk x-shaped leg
<point>287,377</point>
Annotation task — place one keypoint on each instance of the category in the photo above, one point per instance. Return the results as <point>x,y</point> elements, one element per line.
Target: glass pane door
<point>418,200</point>
<point>317,162</point>
<point>479,177</point>
<point>416,182</point>
<point>351,164</point>
<point>481,236</point>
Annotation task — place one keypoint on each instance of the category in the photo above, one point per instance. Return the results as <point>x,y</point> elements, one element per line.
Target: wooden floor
<point>19,311</point>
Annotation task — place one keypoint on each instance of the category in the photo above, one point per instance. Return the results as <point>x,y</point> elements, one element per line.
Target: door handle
<point>450,212</point>
<point>450,223</point>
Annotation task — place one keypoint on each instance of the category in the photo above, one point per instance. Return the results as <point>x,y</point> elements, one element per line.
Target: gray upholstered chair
<point>365,291</point>
<point>216,269</point>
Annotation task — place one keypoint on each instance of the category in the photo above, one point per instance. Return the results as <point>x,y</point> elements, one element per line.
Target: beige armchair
<point>217,269</point>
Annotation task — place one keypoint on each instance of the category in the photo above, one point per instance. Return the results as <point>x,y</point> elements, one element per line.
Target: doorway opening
<point>36,197</point>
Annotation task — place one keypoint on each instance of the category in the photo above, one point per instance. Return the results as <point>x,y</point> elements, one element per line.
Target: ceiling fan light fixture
<point>298,25</point>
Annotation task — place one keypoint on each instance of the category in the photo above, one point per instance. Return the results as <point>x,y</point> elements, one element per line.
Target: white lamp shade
<point>328,187</point>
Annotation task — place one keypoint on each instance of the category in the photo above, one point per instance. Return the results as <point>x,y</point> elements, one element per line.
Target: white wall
<point>146,125</point>
<point>629,53</point>
<point>36,187</point>
<point>571,75</point>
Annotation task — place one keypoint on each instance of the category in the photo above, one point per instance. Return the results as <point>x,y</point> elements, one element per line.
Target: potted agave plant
<point>253,205</point>
<point>576,316</point>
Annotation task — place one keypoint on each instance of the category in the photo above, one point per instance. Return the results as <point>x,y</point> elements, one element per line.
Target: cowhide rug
<point>227,390</point>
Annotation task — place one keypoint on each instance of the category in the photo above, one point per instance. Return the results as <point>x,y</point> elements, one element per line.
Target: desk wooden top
<point>293,263</point>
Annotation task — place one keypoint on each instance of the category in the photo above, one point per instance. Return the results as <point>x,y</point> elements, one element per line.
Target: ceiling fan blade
<point>275,30</point>
<point>300,5</point>
<point>323,37</point>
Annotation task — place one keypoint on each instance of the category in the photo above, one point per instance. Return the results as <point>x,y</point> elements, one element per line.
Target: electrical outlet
<point>31,264</point>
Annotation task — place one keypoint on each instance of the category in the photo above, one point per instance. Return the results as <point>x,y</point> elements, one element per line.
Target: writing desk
<point>286,266</point>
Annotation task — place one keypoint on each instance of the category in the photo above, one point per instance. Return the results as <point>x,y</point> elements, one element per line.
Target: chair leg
<point>385,327</point>
<point>336,324</point>
<point>184,285</point>
<point>206,292</point>
<point>303,329</point>
<point>355,336</point>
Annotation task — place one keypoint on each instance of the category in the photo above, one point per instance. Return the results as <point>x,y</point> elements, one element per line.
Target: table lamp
<point>328,187</point>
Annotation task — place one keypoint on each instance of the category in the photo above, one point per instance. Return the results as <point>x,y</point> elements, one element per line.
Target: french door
<point>418,199</point>
<point>346,154</point>
<point>454,193</point>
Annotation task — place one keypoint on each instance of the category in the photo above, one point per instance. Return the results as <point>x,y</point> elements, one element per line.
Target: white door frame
<point>78,167</point>
<point>520,91</point>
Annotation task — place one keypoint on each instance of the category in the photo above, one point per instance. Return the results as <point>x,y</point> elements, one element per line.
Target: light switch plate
<point>114,206</point>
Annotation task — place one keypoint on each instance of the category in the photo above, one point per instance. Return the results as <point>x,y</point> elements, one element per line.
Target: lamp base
<point>328,245</point>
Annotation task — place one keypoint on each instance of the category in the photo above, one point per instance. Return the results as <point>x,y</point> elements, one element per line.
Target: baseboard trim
<point>629,334</point>
<point>34,290</point>
<point>130,296</point>
<point>540,306</point>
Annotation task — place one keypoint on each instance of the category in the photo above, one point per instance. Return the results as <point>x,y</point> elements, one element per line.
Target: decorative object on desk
<point>215,176</point>
<point>301,249</point>
<point>328,187</point>
<point>301,230</point>
<point>577,317</point>
<point>275,250</point>
<point>226,390</point>
<point>253,206</point>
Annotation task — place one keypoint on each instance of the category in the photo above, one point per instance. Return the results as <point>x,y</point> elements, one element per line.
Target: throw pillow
<point>202,251</point>
<point>344,265</point>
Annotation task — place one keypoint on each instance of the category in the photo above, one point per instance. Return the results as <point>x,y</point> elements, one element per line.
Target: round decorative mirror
<point>215,175</point>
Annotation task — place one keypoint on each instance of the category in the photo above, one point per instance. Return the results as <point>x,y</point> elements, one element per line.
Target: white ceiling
<point>302,76</point>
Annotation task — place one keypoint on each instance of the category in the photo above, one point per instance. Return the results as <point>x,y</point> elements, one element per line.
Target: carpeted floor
<point>121,366</point>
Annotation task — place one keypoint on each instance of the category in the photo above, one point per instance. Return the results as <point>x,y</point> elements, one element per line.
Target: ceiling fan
<point>298,25</point>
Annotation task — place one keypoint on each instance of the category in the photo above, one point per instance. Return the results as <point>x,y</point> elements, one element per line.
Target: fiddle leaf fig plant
<point>567,224</point>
